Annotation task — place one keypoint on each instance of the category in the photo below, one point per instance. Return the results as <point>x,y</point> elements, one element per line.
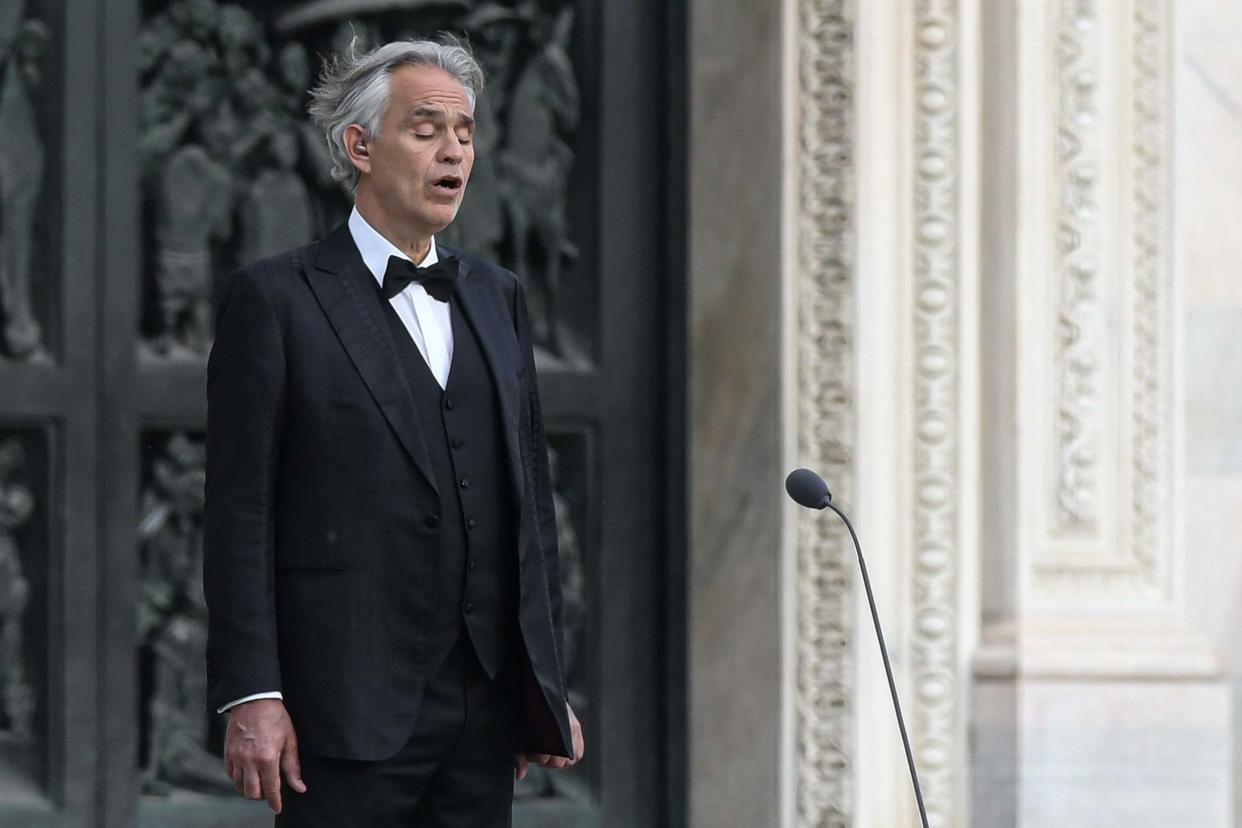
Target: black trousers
<point>456,770</point>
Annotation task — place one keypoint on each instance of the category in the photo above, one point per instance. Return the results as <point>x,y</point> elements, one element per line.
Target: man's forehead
<point>428,87</point>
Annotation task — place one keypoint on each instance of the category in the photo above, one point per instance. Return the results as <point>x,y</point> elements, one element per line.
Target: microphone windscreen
<point>807,489</point>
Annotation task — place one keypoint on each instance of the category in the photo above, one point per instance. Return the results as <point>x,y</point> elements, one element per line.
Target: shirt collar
<point>376,249</point>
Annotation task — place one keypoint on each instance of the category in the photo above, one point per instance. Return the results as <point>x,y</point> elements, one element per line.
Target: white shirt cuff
<point>275,694</point>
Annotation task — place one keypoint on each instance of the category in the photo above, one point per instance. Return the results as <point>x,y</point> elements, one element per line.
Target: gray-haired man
<point>381,564</point>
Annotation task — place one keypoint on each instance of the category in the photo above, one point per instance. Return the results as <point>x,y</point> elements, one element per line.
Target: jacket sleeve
<point>545,509</point>
<point>245,403</point>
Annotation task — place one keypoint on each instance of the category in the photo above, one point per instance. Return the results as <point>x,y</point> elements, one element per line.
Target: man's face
<point>421,159</point>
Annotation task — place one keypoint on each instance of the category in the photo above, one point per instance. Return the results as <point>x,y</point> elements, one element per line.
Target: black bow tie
<point>437,279</point>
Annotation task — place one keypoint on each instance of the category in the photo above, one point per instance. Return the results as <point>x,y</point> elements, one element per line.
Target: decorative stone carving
<point>824,750</point>
<point>1126,552</point>
<point>16,506</point>
<point>1079,337</point>
<point>172,624</point>
<point>22,42</point>
<point>934,502</point>
<point>1150,436</point>
<point>233,170</point>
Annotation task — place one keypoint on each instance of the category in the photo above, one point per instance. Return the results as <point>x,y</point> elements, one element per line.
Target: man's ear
<point>356,147</point>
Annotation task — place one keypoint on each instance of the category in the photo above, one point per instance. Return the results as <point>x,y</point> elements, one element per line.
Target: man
<point>380,540</point>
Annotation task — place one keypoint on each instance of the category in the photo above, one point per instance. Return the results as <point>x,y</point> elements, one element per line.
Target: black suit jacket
<point>318,566</point>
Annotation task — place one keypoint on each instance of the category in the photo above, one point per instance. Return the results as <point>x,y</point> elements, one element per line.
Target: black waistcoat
<point>476,569</point>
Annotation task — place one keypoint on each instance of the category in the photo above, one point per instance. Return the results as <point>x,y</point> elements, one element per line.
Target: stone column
<point>1094,703</point>
<point>736,169</point>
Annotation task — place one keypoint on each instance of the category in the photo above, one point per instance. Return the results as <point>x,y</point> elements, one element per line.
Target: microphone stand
<point>888,669</point>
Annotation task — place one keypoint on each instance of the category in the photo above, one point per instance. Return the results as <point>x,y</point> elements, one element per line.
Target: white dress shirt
<point>427,319</point>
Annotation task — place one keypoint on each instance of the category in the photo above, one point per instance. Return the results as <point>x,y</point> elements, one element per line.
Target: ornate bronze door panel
<point>149,147</point>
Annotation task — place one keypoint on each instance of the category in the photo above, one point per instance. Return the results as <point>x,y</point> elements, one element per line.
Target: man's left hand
<point>547,760</point>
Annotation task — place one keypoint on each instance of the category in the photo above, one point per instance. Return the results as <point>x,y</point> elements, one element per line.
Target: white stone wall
<point>1009,334</point>
<point>1208,204</point>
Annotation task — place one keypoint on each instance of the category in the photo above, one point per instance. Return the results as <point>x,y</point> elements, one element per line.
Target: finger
<point>522,767</point>
<point>269,777</point>
<point>292,767</point>
<point>540,759</point>
<point>239,779</point>
<point>251,787</point>
<point>228,767</point>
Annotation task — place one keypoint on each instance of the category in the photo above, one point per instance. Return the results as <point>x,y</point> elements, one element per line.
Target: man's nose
<point>452,150</point>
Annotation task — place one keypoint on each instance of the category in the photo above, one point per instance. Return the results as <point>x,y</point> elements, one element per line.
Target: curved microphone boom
<point>809,489</point>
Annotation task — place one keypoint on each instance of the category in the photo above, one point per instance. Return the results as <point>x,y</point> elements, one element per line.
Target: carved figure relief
<point>22,41</point>
<point>16,506</point>
<point>224,161</point>
<point>535,167</point>
<point>234,171</point>
<point>172,624</point>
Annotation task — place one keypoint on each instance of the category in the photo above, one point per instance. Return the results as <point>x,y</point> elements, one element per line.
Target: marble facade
<point>1001,310</point>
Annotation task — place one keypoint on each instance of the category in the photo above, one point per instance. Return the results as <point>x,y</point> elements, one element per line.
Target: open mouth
<point>449,184</point>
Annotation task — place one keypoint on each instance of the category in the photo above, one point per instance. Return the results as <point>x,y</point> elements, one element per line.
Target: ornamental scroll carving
<point>233,171</point>
<point>1136,558</point>
<point>1079,334</point>
<point>936,399</point>
<point>22,43</point>
<point>824,752</point>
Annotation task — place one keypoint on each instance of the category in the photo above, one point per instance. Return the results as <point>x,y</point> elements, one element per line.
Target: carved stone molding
<point>1123,544</point>
<point>1079,338</point>
<point>936,402</point>
<point>824,751</point>
<point>1152,346</point>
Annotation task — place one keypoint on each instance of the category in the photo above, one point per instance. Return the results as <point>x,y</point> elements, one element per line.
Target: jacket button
<point>471,566</point>
<point>450,403</point>
<point>469,608</point>
<point>455,442</point>
<point>465,482</point>
<point>470,524</point>
<point>431,521</point>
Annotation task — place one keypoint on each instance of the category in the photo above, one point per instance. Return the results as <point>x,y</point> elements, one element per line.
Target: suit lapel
<point>486,312</point>
<point>346,291</point>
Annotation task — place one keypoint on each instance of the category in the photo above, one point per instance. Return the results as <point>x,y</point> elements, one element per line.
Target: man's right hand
<point>258,745</point>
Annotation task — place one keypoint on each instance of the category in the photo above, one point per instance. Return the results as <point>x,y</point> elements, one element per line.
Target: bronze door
<point>146,149</point>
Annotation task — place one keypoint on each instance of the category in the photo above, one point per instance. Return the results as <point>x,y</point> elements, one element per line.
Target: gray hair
<point>354,89</point>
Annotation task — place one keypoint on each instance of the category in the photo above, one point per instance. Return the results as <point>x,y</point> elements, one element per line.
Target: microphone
<point>808,489</point>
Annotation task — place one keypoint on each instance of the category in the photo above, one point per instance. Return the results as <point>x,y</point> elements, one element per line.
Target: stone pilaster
<point>1092,696</point>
